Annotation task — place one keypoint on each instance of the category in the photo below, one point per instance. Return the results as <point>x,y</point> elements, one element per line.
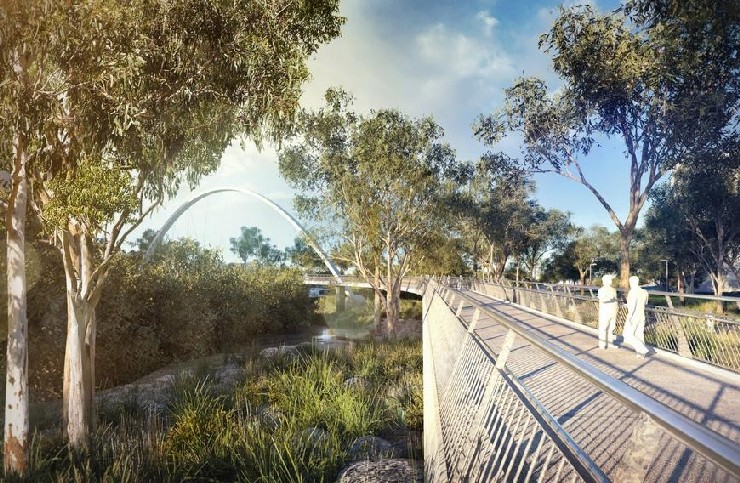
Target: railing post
<point>503,356</point>
<point>459,308</point>
<point>576,315</point>
<point>543,303</point>
<point>474,321</point>
<point>683,344</point>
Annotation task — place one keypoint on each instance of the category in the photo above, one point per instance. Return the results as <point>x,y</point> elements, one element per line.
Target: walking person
<point>608,306</point>
<point>634,326</point>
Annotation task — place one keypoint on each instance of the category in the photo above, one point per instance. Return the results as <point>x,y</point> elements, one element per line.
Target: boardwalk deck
<point>600,424</point>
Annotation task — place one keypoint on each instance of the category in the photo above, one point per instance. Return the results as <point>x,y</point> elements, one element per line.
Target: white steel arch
<point>185,206</point>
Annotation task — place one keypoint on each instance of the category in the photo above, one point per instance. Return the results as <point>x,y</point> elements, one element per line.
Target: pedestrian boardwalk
<point>600,424</point>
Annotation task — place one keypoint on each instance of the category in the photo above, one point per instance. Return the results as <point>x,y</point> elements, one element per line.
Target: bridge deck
<point>599,423</point>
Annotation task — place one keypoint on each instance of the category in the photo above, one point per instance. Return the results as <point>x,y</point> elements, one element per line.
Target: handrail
<point>706,442</point>
<point>722,298</point>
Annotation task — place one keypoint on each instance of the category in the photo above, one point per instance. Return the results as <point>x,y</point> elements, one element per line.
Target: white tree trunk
<point>77,408</point>
<point>79,377</point>
<point>16,379</point>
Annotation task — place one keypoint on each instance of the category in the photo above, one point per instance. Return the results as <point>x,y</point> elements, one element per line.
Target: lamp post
<point>591,273</point>
<point>666,273</point>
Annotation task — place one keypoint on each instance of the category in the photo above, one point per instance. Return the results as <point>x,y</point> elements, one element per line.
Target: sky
<point>448,59</point>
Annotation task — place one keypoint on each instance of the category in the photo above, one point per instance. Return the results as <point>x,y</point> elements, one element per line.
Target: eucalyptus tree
<point>549,230</point>
<point>251,243</point>
<point>590,246</point>
<point>24,114</point>
<point>379,178</point>
<point>698,215</point>
<point>501,215</point>
<point>302,255</point>
<point>620,82</point>
<point>138,99</point>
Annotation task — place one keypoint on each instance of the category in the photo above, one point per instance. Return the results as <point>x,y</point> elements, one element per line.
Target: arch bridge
<point>516,388</point>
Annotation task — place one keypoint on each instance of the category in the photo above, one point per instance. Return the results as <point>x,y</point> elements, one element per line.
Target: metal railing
<point>481,423</point>
<point>480,390</point>
<point>704,337</point>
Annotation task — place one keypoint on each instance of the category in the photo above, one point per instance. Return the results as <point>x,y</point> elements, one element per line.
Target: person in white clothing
<point>608,306</point>
<point>634,326</point>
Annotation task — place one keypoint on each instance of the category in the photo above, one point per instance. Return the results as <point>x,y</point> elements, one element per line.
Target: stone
<point>383,471</point>
<point>357,382</point>
<point>268,417</point>
<point>282,351</point>
<point>370,448</point>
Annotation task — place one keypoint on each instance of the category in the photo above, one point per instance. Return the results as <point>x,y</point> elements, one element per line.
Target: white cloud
<point>427,69</point>
<point>488,21</point>
<point>454,54</point>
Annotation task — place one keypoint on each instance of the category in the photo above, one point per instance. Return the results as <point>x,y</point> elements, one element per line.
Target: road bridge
<point>413,285</point>
<point>516,394</point>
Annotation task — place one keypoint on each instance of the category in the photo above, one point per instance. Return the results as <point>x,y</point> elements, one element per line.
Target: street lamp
<point>666,273</point>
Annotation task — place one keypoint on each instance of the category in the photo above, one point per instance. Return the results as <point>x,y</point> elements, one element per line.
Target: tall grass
<point>293,419</point>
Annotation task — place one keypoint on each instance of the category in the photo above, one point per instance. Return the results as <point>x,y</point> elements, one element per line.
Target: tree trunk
<point>583,280</point>
<point>720,263</point>
<point>77,410</point>
<point>378,310</point>
<point>393,308</point>
<point>624,258</point>
<point>378,306</point>
<point>78,405</point>
<point>718,285</point>
<point>16,378</point>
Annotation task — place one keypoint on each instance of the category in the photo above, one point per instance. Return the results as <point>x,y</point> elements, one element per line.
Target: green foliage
<point>379,177</point>
<point>619,80</point>
<point>253,244</point>
<point>500,217</point>
<point>695,222</point>
<point>189,304</point>
<point>185,304</point>
<point>303,256</point>
<point>354,316</point>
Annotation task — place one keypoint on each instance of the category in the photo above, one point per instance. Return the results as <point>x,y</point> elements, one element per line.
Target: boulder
<point>282,351</point>
<point>383,471</point>
<point>370,448</point>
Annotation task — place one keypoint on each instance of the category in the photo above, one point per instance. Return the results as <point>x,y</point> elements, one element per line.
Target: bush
<point>185,304</point>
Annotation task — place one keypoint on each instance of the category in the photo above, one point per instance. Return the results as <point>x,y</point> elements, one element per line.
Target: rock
<point>228,376</point>
<point>383,471</point>
<point>397,391</point>
<point>357,382</point>
<point>370,448</point>
<point>268,417</point>
<point>282,351</point>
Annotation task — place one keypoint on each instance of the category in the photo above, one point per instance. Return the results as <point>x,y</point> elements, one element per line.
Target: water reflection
<point>340,337</point>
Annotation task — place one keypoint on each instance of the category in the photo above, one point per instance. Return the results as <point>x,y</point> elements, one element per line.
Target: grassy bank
<point>291,418</point>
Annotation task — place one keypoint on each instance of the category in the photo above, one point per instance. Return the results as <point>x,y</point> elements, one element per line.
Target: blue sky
<point>448,59</point>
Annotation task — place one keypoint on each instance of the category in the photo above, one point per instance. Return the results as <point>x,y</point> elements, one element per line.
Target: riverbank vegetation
<point>293,417</point>
<point>186,303</point>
